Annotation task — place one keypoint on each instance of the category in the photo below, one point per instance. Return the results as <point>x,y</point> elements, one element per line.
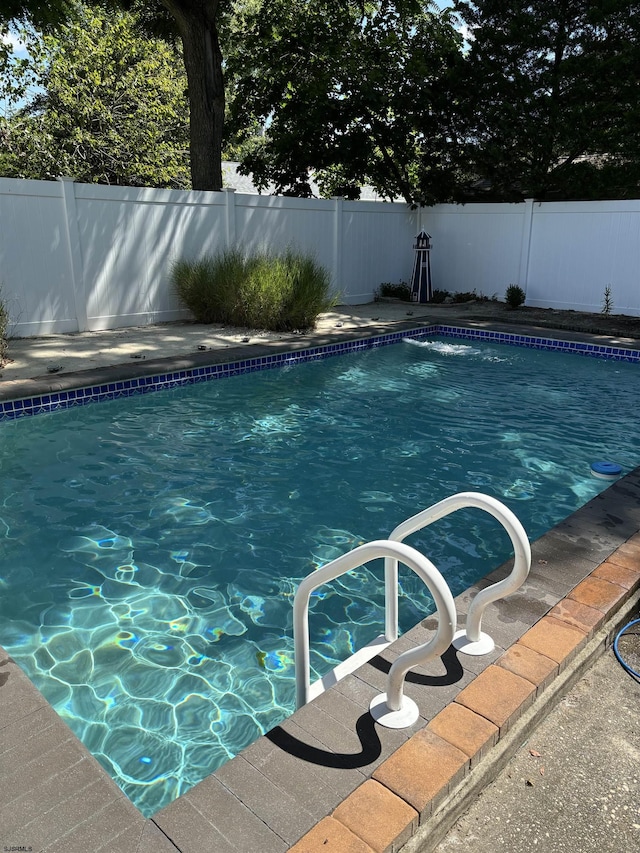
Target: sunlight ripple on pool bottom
<point>153,545</point>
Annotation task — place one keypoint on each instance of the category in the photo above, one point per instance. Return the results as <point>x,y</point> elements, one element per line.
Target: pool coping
<point>41,394</point>
<point>279,794</point>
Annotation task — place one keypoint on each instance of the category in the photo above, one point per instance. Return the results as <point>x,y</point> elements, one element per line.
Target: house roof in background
<point>244,184</point>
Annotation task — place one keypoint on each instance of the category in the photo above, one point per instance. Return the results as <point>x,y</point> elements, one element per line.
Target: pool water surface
<point>152,545</point>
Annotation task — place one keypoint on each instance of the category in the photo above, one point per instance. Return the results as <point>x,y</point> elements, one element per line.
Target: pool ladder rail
<point>393,709</point>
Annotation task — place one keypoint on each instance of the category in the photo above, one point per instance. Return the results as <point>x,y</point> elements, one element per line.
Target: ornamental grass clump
<point>280,293</point>
<point>307,291</point>
<point>4,323</point>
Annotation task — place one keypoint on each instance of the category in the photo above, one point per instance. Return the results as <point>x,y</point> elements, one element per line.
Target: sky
<point>16,44</point>
<point>19,50</point>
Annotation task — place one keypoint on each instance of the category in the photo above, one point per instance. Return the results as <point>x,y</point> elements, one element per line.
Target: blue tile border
<point>53,401</point>
<point>532,342</point>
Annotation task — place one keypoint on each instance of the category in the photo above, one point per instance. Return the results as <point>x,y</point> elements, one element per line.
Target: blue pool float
<point>606,470</point>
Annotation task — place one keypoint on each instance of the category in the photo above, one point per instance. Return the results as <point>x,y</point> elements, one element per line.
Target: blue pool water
<point>151,546</point>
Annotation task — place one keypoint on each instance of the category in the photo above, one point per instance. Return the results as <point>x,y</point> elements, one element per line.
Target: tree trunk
<point>196,21</point>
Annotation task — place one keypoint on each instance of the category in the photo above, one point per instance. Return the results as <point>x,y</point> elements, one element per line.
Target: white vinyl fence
<point>77,257</point>
<point>563,254</point>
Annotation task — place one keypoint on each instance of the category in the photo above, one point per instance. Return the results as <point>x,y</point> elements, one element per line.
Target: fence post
<point>525,244</point>
<point>74,247</point>
<point>338,202</point>
<point>230,216</point>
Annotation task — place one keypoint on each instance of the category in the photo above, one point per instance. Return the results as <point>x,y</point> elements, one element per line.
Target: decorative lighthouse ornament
<point>421,279</point>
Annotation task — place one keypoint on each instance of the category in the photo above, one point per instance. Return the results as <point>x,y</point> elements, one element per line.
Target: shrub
<point>260,291</point>
<point>514,296</point>
<point>607,301</point>
<point>467,296</point>
<point>464,296</point>
<point>395,291</point>
<point>438,296</point>
<point>307,293</point>
<point>4,322</point>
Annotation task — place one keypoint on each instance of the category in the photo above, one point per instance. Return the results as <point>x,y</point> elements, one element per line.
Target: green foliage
<point>196,23</point>
<point>541,102</point>
<point>395,291</point>
<point>44,14</point>
<point>514,296</point>
<point>4,323</point>
<point>549,105</point>
<point>359,92</point>
<point>261,291</point>
<point>439,296</point>
<point>607,301</point>
<point>466,296</point>
<point>109,105</point>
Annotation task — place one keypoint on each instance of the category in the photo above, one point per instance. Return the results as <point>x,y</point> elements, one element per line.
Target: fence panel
<point>278,223</point>
<point>129,239</point>
<point>475,246</point>
<point>377,247</point>
<point>34,258</point>
<point>578,248</point>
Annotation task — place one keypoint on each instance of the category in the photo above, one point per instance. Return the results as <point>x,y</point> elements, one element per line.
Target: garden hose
<point>616,651</point>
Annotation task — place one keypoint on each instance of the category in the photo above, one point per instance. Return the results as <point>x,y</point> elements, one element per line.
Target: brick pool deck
<point>329,778</point>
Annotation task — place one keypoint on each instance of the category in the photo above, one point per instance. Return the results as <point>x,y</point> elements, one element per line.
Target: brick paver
<point>628,554</point>
<point>535,667</point>
<point>598,593</point>
<point>466,730</point>
<point>581,616</point>
<point>378,817</point>
<point>330,836</point>
<point>624,576</point>
<point>498,695</point>
<point>554,639</point>
<point>423,770</point>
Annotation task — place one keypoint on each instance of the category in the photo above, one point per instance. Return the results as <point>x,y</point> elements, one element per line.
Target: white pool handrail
<point>391,708</point>
<point>472,641</point>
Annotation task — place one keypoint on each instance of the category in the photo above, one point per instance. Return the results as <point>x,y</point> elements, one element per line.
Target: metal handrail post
<point>400,552</point>
<point>473,641</point>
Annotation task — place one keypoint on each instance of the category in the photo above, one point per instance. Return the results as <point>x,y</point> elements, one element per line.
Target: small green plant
<point>607,301</point>
<point>439,296</point>
<point>4,322</point>
<point>514,296</point>
<point>464,296</point>
<point>264,290</point>
<point>395,291</point>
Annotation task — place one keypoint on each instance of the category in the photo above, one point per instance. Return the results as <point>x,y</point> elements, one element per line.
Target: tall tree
<point>551,107</point>
<point>109,105</point>
<point>358,92</point>
<point>197,24</point>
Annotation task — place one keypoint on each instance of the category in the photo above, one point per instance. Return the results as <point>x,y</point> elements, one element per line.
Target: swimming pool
<point>152,546</point>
